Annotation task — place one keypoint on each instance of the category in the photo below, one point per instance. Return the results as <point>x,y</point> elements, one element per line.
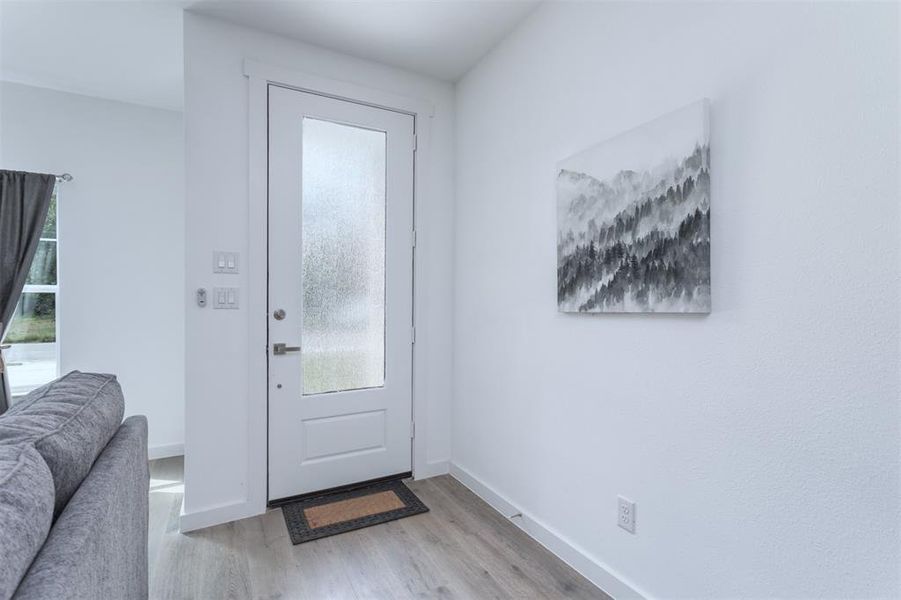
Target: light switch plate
<point>225,297</point>
<point>225,262</point>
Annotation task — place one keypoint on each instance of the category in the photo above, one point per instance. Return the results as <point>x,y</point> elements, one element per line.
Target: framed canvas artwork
<point>633,220</point>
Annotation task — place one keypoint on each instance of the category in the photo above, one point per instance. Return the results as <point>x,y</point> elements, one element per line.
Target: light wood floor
<point>461,549</point>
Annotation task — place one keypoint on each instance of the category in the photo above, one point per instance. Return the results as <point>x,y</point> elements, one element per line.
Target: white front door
<point>340,292</point>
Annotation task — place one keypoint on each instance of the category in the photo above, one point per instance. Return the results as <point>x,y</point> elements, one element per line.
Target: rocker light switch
<point>225,262</point>
<point>225,297</point>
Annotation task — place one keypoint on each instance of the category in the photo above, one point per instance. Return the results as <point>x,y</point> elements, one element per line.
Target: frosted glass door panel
<point>343,261</point>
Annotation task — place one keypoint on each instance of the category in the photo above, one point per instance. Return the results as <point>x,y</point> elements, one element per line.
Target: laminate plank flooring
<point>462,549</point>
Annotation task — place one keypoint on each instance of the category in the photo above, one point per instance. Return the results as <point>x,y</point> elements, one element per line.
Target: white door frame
<point>260,76</point>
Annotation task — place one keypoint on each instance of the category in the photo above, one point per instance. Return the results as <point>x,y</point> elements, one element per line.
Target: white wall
<point>121,227</point>
<point>221,482</point>
<point>761,443</point>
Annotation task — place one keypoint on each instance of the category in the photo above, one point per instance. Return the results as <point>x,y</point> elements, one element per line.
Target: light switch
<point>226,297</point>
<point>225,262</point>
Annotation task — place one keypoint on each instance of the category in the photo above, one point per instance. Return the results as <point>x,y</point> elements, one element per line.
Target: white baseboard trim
<point>592,569</point>
<point>165,451</point>
<point>233,511</point>
<point>216,515</point>
<point>433,469</point>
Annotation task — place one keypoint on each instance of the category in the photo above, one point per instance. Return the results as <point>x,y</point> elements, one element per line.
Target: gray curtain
<point>24,201</point>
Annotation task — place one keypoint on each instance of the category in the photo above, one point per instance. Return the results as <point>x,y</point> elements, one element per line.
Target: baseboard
<point>165,451</point>
<point>233,511</point>
<point>592,569</point>
<point>433,469</point>
<point>216,515</point>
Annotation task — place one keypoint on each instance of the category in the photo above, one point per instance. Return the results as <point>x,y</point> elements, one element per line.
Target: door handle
<point>280,348</point>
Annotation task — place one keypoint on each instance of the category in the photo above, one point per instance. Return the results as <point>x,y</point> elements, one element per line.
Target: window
<point>31,358</point>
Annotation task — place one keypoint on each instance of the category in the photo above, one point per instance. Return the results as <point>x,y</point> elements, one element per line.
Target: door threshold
<point>341,488</point>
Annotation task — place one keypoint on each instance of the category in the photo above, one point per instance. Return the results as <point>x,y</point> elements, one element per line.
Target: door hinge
<point>413,242</point>
<point>412,430</point>
<point>413,335</point>
<point>415,142</point>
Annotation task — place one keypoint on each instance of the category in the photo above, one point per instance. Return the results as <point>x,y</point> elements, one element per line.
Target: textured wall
<point>121,228</point>
<point>761,443</point>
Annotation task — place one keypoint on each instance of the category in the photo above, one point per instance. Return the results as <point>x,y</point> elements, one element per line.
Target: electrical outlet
<point>626,515</point>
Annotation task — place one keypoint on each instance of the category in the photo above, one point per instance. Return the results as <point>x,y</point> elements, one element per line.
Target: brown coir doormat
<point>331,514</point>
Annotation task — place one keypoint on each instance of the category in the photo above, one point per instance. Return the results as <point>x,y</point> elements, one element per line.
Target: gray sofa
<point>74,496</point>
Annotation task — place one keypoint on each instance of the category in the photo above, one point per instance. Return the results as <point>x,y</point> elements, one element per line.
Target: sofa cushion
<point>69,421</point>
<point>26,511</point>
<point>97,548</point>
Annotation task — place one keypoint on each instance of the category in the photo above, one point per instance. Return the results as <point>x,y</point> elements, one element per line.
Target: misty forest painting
<point>633,220</point>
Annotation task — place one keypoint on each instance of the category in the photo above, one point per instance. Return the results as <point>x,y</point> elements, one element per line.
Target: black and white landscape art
<point>633,220</point>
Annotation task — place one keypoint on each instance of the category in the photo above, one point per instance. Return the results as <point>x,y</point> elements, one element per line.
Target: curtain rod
<point>64,177</point>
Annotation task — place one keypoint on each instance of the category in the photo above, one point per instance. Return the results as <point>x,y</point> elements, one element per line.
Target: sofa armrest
<point>97,548</point>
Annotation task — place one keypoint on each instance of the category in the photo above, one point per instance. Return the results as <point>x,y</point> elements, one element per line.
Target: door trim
<point>260,76</point>
<point>341,488</point>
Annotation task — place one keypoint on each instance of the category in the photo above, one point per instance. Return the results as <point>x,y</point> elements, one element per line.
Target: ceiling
<point>128,51</point>
<point>132,50</point>
<point>443,39</point>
